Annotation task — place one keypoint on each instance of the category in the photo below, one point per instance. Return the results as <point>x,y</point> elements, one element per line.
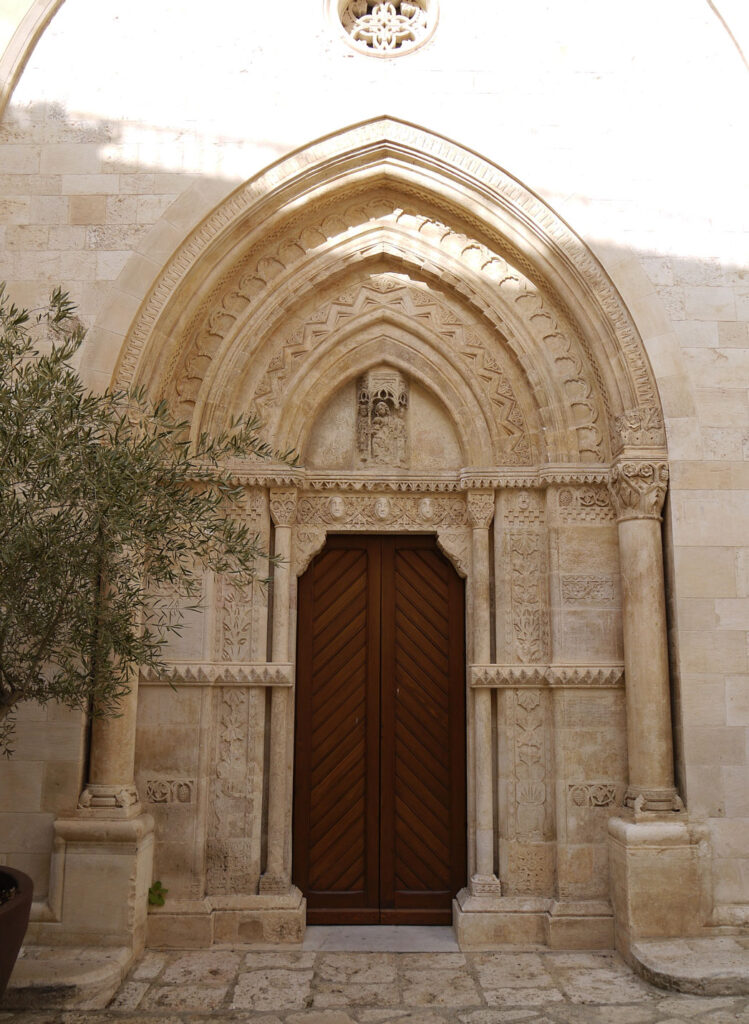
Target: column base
<point>660,879</point>
<point>489,922</point>
<point>110,801</point>
<point>264,920</point>
<point>274,885</point>
<point>485,885</point>
<point>105,878</point>
<point>653,801</point>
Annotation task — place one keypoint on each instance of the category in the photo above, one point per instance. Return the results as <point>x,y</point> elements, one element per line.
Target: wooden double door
<point>380,776</point>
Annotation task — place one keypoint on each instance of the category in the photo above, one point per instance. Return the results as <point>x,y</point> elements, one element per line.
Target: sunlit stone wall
<point>627,119</point>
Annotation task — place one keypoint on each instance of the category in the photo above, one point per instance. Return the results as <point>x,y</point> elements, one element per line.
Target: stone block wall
<point>622,119</point>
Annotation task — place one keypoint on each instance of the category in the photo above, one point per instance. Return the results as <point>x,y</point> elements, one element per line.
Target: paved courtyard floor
<point>326,987</point>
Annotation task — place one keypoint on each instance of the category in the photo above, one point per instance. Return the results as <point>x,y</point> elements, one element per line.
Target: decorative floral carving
<point>233,848</point>
<point>283,506</point>
<point>639,489</point>
<point>170,791</point>
<point>642,426</point>
<point>386,26</point>
<point>582,589</point>
<point>593,794</point>
<point>480,509</point>
<point>585,504</point>
<point>528,599</point>
<point>381,425</point>
<point>529,768</point>
<point>368,511</point>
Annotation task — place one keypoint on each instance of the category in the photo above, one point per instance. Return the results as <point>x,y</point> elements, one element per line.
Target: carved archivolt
<point>451,346</point>
<point>542,246</point>
<point>499,293</point>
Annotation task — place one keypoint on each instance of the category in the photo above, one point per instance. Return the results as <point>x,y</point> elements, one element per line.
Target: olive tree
<point>109,516</point>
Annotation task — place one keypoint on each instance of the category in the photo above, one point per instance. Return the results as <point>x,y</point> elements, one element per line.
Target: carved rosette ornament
<point>389,28</point>
<point>480,507</point>
<point>283,506</point>
<point>638,489</point>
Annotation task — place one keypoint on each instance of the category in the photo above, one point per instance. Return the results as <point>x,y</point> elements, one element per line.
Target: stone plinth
<point>660,873</point>
<point>229,920</point>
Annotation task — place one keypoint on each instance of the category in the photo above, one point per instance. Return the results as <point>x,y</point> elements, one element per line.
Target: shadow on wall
<point>80,198</point>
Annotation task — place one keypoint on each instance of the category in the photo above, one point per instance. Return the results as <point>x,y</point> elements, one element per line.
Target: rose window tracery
<point>387,27</point>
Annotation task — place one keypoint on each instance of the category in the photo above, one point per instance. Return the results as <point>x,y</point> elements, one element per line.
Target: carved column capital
<point>638,489</point>
<point>283,506</point>
<point>480,508</point>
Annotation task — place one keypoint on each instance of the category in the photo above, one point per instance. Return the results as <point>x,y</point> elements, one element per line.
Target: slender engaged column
<point>480,514</point>
<point>276,878</point>
<point>638,490</point>
<point>110,790</point>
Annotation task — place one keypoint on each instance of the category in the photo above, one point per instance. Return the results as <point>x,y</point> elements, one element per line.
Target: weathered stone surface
<point>273,989</point>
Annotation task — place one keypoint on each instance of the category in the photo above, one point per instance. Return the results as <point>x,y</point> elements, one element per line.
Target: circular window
<point>387,28</point>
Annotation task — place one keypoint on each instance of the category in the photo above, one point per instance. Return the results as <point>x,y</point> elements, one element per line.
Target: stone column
<point>480,515</point>
<point>275,880</point>
<point>111,791</point>
<point>639,489</point>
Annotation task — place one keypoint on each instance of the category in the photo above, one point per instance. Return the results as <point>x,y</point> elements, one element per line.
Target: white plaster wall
<point>628,119</point>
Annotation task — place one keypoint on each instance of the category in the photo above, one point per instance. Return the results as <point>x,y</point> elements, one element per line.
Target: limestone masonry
<point>484,267</point>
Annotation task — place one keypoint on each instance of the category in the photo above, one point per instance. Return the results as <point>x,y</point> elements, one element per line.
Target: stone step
<point>47,977</point>
<point>712,966</point>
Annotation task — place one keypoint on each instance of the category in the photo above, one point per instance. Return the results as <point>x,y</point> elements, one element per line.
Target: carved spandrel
<point>638,489</point>
<point>381,420</point>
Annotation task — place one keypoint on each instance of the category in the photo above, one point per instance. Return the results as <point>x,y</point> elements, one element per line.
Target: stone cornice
<point>567,676</point>
<point>219,674</point>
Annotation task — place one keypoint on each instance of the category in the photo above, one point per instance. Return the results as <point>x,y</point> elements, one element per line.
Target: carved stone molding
<point>526,508</point>
<point>455,544</point>
<point>568,676</point>
<point>480,509</point>
<point>639,489</point>
<point>210,674</point>
<point>381,512</point>
<point>283,502</point>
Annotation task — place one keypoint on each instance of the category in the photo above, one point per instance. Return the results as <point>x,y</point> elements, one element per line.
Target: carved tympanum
<point>638,489</point>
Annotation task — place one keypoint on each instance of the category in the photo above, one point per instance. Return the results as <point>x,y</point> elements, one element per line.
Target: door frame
<point>461,522</point>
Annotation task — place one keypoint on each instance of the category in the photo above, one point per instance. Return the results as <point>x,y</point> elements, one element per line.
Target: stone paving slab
<point>718,965</point>
<point>318,987</point>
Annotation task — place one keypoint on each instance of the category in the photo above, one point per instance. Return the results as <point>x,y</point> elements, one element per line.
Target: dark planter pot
<point>14,919</point>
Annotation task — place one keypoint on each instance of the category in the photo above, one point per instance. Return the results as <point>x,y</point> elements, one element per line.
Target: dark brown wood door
<point>379,779</point>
